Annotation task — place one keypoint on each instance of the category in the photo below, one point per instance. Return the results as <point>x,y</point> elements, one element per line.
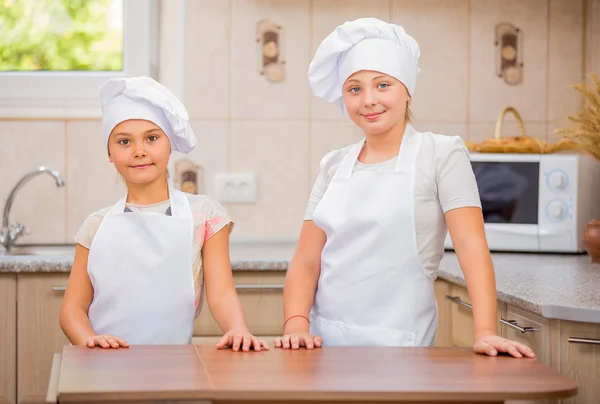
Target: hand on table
<point>296,340</point>
<point>242,339</point>
<point>106,341</point>
<point>492,344</point>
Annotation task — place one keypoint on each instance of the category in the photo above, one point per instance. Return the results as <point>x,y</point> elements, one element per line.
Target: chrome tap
<point>9,234</point>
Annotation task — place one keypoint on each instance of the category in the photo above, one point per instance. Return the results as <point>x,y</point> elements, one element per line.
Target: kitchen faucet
<point>9,235</point>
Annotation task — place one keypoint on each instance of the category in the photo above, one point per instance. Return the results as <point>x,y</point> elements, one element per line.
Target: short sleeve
<point>216,218</point>
<point>87,231</point>
<point>320,185</point>
<point>456,183</point>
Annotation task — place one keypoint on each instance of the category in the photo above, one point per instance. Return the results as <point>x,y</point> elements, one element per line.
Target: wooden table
<point>202,374</point>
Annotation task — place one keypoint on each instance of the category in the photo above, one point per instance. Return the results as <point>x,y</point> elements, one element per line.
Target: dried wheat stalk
<point>585,136</point>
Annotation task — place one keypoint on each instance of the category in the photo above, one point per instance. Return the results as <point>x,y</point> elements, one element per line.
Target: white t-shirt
<point>444,180</point>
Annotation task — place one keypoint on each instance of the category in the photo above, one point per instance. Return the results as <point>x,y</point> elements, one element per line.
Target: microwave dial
<point>556,210</point>
<point>557,180</point>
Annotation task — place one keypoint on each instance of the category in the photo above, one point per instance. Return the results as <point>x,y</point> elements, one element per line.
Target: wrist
<point>484,333</point>
<point>296,324</point>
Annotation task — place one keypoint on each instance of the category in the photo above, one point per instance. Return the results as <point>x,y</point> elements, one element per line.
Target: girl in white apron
<point>139,266</point>
<point>373,237</point>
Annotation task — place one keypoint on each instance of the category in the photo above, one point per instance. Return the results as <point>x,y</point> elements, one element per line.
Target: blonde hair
<point>408,116</point>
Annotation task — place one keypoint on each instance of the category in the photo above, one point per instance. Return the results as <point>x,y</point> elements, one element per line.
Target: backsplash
<point>279,131</point>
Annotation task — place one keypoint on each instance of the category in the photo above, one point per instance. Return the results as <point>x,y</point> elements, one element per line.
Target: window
<point>55,54</point>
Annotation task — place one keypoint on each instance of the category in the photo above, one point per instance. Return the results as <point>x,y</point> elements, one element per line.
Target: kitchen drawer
<point>462,317</point>
<point>261,295</point>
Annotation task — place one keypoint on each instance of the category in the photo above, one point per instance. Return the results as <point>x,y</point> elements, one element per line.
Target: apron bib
<point>372,290</point>
<point>140,265</point>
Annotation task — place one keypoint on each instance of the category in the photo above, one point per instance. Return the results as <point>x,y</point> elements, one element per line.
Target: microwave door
<point>509,191</point>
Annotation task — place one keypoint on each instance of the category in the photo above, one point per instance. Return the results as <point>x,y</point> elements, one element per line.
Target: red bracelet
<point>295,315</point>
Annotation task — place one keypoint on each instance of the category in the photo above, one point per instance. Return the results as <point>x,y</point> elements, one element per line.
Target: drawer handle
<point>510,323</point>
<point>247,286</point>
<point>516,326</point>
<point>59,288</point>
<point>577,340</point>
<point>460,301</point>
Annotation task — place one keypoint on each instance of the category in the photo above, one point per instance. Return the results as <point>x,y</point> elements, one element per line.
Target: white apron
<point>372,290</point>
<point>140,265</point>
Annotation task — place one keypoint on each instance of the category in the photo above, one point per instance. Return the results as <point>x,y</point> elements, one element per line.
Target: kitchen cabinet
<point>8,338</point>
<point>443,337</point>
<point>540,334</point>
<point>580,359</point>
<point>462,317</point>
<point>39,335</point>
<point>261,296</point>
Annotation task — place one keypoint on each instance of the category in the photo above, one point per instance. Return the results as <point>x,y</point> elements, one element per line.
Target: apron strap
<point>180,205</point>
<point>409,149</point>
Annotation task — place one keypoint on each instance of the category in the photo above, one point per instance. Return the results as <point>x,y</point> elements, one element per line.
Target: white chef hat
<point>363,44</point>
<point>144,98</point>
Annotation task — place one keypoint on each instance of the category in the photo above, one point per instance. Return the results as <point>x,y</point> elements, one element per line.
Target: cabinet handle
<point>257,286</point>
<point>516,326</point>
<point>59,288</point>
<point>460,301</point>
<point>577,340</point>
<point>510,323</point>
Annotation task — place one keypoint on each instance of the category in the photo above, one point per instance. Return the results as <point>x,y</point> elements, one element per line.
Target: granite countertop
<point>554,286</point>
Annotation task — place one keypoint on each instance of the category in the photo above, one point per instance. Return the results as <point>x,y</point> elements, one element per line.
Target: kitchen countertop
<point>554,286</point>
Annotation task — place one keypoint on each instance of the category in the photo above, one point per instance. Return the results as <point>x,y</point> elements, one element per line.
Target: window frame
<point>75,94</point>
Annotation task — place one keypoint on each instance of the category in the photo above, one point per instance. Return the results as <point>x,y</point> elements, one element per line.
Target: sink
<point>42,249</point>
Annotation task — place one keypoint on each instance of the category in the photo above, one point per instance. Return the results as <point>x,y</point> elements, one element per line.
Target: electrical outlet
<point>236,187</point>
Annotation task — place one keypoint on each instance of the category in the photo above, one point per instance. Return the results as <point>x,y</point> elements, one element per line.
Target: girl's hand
<point>492,344</point>
<point>244,339</point>
<point>106,341</point>
<point>296,340</point>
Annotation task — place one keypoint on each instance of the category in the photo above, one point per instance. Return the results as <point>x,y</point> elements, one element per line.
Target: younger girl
<point>374,230</point>
<point>139,266</point>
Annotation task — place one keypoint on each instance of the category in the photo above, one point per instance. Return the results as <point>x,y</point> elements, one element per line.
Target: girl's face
<point>139,150</point>
<point>375,101</point>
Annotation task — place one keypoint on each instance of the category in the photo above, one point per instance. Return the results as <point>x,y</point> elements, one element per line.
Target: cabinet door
<point>261,295</point>
<point>8,338</point>
<point>462,318</point>
<point>39,335</point>
<point>580,347</point>
<point>540,334</point>
<point>444,333</point>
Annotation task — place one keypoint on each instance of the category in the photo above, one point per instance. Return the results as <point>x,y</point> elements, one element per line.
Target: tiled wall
<point>280,131</point>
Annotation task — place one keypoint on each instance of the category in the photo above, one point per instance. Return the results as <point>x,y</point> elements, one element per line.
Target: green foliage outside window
<point>61,35</point>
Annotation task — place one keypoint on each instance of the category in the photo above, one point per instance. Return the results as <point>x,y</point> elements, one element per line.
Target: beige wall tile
<point>253,96</point>
<point>327,136</point>
<point>443,128</point>
<point>277,152</point>
<point>488,92</point>
<point>328,14</point>
<point>484,130</point>
<point>565,57</point>
<point>593,37</point>
<point>441,29</point>
<point>208,62</point>
<point>39,205</point>
<point>210,153</point>
<point>92,181</point>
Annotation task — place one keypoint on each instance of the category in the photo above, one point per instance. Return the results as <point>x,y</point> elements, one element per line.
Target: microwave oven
<point>536,202</point>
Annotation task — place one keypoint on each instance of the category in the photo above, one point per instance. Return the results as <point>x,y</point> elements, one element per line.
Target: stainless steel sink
<point>42,249</point>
